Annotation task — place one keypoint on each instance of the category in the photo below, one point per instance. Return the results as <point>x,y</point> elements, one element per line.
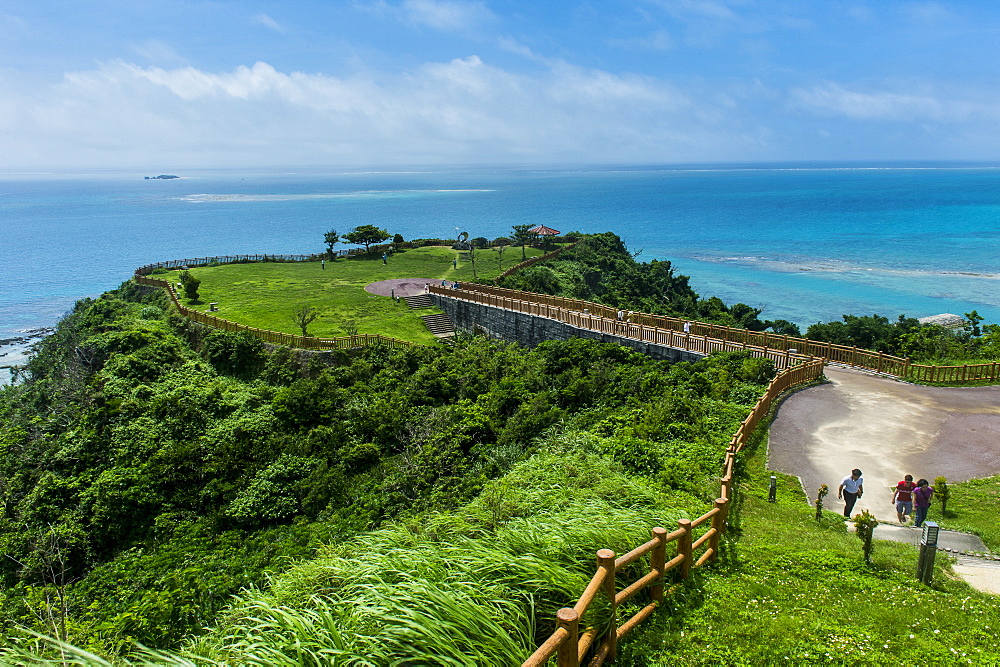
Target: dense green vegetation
<point>153,468</point>
<point>220,502</point>
<point>906,337</point>
<point>601,269</point>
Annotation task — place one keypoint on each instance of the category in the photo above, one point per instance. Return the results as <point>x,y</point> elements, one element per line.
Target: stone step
<point>439,325</point>
<point>419,301</point>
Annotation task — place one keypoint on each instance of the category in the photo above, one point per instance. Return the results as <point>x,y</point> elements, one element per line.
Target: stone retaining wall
<point>530,330</point>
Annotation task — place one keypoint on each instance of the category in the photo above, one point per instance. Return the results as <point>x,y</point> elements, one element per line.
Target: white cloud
<point>157,51</point>
<point>268,22</point>
<point>511,45</point>
<point>12,27</point>
<point>447,15</point>
<point>659,40</point>
<point>461,111</point>
<point>443,15</point>
<point>832,98</point>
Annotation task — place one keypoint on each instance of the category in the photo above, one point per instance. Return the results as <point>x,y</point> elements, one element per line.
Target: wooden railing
<point>568,644</point>
<point>534,260</point>
<point>760,343</point>
<point>239,259</point>
<point>599,318</point>
<point>273,337</point>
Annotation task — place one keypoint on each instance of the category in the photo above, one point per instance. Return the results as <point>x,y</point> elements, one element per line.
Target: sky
<point>171,84</point>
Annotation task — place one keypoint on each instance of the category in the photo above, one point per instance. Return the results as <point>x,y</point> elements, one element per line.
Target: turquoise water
<point>807,243</point>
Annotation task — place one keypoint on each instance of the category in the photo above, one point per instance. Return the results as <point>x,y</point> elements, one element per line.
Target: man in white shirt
<point>850,490</point>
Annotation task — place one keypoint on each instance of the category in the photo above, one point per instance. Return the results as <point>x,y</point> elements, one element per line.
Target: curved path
<point>888,429</point>
<point>400,286</point>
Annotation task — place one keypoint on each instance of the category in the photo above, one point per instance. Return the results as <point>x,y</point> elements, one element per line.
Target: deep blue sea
<point>807,243</point>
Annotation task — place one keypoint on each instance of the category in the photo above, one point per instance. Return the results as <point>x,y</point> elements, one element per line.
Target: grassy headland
<point>264,295</point>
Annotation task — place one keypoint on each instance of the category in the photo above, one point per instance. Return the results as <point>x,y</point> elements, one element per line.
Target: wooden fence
<point>568,644</point>
<point>534,260</point>
<point>238,259</point>
<point>774,346</point>
<point>274,337</point>
<point>596,317</point>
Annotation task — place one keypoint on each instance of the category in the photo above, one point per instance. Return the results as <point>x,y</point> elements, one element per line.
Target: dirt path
<point>888,429</point>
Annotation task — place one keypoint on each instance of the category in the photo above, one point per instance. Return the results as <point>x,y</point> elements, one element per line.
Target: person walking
<point>851,488</point>
<point>921,501</point>
<point>902,498</point>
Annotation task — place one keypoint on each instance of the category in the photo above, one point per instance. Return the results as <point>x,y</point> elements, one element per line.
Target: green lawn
<point>972,507</point>
<point>264,295</point>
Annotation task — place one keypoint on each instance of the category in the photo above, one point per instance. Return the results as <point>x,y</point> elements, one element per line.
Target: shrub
<point>190,285</point>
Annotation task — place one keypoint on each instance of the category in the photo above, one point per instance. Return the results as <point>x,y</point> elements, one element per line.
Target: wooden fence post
<point>658,561</point>
<point>719,524</point>
<point>568,655</point>
<point>606,560</point>
<point>684,547</point>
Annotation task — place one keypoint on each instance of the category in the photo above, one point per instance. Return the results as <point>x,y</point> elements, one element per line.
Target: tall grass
<point>461,589</point>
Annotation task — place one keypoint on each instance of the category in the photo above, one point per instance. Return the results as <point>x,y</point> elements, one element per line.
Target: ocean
<point>807,243</point>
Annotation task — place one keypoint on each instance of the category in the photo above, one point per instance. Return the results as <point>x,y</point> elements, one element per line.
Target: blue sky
<point>169,84</point>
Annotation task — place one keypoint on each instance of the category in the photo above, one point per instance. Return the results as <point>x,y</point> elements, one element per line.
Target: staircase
<point>440,325</point>
<point>419,301</point>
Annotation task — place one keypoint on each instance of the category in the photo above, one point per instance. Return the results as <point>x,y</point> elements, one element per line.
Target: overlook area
<point>424,504</point>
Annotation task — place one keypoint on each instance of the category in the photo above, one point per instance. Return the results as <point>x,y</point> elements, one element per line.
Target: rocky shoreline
<point>14,351</point>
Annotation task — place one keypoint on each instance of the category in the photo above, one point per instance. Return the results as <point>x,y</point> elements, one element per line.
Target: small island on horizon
<point>161,177</point>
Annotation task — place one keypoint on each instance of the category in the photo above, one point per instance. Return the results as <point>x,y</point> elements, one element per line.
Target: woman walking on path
<point>922,501</point>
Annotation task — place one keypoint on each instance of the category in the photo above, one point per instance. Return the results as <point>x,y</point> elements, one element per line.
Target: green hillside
<point>218,502</point>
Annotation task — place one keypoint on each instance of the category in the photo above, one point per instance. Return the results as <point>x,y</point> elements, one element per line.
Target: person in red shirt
<point>902,498</point>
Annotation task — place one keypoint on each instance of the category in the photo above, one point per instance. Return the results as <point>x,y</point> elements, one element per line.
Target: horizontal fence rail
<point>603,319</point>
<point>239,259</point>
<point>778,347</point>
<point>273,337</point>
<point>534,260</point>
<point>568,644</point>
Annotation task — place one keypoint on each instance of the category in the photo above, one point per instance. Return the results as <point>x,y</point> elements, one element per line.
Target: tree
<point>942,491</point>
<point>397,241</point>
<point>190,284</point>
<point>331,239</point>
<point>366,235</point>
<point>500,245</point>
<point>783,327</point>
<point>522,237</point>
<point>305,316</point>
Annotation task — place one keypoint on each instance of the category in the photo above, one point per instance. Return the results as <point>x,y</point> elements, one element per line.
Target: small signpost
<point>772,490</point>
<point>928,548</point>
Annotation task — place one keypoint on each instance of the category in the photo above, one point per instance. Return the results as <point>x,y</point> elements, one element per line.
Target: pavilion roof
<point>542,230</point>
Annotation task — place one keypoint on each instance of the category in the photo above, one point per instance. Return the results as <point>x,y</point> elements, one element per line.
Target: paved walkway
<point>888,429</point>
